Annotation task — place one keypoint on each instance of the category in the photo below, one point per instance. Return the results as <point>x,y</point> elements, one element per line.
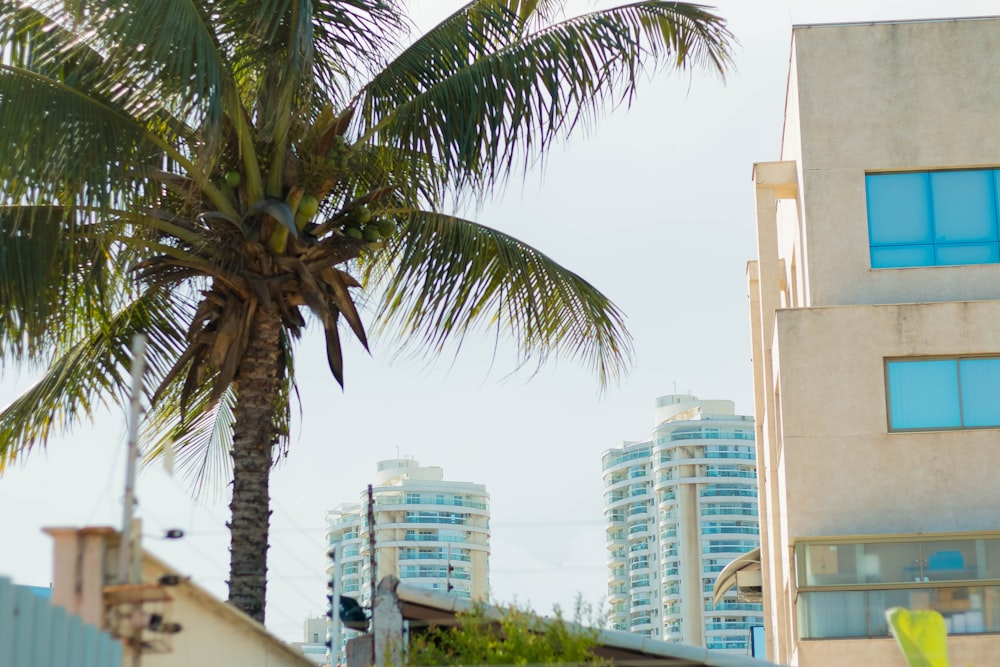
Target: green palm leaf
<point>183,74</point>
<point>552,80</point>
<point>81,137</point>
<point>444,276</point>
<point>202,444</point>
<point>85,374</point>
<point>53,285</point>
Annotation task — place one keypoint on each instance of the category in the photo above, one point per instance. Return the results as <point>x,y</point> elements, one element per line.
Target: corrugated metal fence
<point>35,633</point>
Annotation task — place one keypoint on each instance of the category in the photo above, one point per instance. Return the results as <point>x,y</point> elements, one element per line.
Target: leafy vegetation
<point>513,636</point>
<point>921,634</point>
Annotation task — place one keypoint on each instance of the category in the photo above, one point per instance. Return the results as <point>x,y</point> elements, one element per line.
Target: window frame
<point>958,359</point>
<point>935,219</point>
<point>805,591</point>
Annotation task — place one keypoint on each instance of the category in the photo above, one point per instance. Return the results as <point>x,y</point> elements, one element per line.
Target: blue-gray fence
<point>36,633</point>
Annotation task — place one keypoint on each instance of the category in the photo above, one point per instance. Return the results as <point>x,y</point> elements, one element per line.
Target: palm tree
<point>212,172</point>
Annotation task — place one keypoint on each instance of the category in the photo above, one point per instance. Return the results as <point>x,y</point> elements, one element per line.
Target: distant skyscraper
<point>679,507</point>
<point>429,532</point>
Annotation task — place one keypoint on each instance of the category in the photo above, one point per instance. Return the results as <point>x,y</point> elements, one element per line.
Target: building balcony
<point>641,623</point>
<point>725,509</point>
<point>671,593</point>
<point>640,567</point>
<point>619,460</point>
<point>732,489</point>
<point>416,559</point>
<point>617,502</point>
<point>643,607</point>
<point>430,503</point>
<point>640,531</point>
<point>616,538</point>
<point>671,574</point>
<point>617,592</point>
<point>735,531</point>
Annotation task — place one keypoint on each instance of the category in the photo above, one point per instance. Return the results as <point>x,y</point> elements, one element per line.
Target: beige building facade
<point>875,313</point>
<point>162,618</point>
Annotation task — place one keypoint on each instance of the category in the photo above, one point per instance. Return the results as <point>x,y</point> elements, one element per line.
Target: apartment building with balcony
<point>679,507</point>
<point>429,532</point>
<point>875,312</point>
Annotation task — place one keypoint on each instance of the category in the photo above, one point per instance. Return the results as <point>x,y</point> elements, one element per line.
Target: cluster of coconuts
<point>360,225</point>
<point>337,157</point>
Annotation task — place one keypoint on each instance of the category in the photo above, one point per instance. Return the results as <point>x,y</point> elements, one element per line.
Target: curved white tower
<point>429,532</point>
<point>679,507</point>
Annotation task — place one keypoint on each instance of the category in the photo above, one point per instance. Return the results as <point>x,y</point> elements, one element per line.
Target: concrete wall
<point>866,98</point>
<point>883,97</point>
<point>212,632</point>
<point>846,473</point>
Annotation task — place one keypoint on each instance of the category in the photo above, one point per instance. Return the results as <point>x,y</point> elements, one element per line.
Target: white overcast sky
<point>654,207</point>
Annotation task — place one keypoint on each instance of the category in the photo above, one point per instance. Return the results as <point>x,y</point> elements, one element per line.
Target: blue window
<point>933,218</point>
<point>943,393</point>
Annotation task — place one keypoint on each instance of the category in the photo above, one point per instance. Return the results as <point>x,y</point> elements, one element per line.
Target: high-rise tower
<point>679,507</point>
<point>428,532</point>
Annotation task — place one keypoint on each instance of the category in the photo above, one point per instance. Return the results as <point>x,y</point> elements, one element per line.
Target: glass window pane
<point>950,560</point>
<point>830,565</point>
<point>833,614</point>
<point>990,569</point>
<point>980,381</point>
<point>901,257</point>
<point>891,562</point>
<point>967,253</point>
<point>963,206</point>
<point>898,209</point>
<point>923,394</point>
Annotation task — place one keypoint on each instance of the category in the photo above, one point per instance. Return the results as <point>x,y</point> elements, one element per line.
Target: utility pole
<point>448,587</point>
<point>334,613</point>
<point>127,573</point>
<point>371,552</point>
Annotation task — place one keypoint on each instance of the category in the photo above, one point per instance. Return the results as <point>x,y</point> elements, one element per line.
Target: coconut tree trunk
<point>258,385</point>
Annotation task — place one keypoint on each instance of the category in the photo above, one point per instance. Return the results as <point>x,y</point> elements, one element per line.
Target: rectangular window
<point>951,393</point>
<point>846,585</point>
<point>933,218</point>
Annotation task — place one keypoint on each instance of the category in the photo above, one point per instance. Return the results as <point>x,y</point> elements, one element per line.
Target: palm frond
<point>183,74</point>
<point>87,373</point>
<point>55,277</point>
<point>443,276</point>
<point>59,143</point>
<point>201,444</point>
<point>351,38</point>
<point>477,118</point>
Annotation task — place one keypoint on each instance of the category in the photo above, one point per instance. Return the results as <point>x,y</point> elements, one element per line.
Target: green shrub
<point>505,636</point>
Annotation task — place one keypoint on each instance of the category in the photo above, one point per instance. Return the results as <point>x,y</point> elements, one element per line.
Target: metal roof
<point>424,607</point>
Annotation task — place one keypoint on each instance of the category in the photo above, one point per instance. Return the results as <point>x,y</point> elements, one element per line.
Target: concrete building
<point>679,507</point>
<point>314,636</point>
<point>428,532</point>
<point>163,616</point>
<point>875,310</point>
